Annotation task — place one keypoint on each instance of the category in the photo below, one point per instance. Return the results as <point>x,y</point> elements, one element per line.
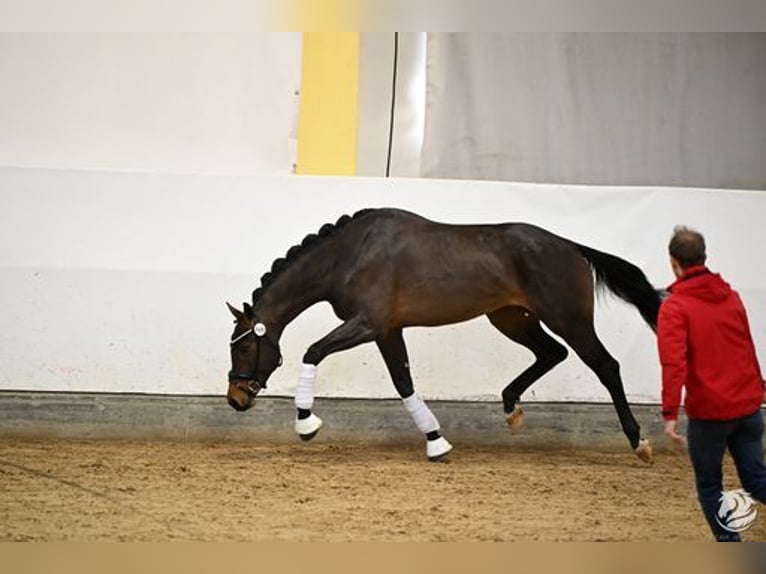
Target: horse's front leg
<point>394,353</point>
<point>353,332</point>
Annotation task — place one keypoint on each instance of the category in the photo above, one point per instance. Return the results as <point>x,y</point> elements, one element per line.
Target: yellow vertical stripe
<point>328,104</point>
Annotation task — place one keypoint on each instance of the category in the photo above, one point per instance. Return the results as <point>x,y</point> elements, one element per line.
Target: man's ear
<point>236,312</point>
<point>676,266</point>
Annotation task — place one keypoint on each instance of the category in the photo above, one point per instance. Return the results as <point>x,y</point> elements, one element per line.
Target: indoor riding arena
<point>443,257</point>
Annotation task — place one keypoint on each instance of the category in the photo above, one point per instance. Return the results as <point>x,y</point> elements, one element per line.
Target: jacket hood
<point>700,283</point>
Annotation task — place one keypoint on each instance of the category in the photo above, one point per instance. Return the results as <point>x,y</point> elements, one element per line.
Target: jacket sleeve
<point>672,333</point>
<point>750,342</point>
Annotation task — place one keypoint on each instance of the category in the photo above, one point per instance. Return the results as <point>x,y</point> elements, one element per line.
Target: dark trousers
<point>708,440</point>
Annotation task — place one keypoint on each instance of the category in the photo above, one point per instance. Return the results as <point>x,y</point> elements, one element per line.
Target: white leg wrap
<point>304,392</point>
<point>421,414</point>
<point>435,449</point>
<point>307,428</point>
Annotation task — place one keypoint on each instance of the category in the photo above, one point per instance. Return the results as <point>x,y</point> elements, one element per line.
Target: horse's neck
<point>292,292</point>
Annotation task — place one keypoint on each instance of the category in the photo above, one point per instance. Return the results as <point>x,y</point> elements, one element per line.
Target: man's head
<point>686,248</point>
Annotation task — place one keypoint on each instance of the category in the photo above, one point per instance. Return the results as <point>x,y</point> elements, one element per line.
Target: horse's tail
<point>626,281</point>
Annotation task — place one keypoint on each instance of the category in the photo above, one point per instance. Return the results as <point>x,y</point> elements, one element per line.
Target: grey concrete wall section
<point>185,418</point>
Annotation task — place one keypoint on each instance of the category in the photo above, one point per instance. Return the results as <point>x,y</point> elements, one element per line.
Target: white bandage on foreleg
<point>421,414</point>
<point>304,392</point>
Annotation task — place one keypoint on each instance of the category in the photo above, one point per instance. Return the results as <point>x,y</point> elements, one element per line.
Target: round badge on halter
<point>259,329</point>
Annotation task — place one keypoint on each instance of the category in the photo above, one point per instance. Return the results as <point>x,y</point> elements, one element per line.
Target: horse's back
<point>436,273</point>
<point>389,232</point>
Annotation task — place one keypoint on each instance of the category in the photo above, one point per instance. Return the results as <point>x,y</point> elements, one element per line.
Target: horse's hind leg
<point>521,326</point>
<point>583,339</point>
<point>394,353</point>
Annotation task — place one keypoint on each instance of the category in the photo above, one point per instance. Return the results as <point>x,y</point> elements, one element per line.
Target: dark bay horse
<point>383,270</point>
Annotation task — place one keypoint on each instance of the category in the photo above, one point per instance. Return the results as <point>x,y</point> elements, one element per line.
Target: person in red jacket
<point>705,347</point>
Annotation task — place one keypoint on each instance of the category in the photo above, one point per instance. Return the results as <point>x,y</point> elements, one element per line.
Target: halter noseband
<point>254,386</point>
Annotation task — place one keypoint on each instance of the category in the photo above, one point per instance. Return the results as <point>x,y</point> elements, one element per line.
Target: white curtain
<point>677,109</point>
<point>178,102</point>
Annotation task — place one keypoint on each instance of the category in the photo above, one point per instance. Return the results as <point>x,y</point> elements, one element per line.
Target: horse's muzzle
<point>238,398</point>
<point>237,406</point>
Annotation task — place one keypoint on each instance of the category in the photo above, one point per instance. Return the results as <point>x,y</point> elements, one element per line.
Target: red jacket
<point>705,345</point>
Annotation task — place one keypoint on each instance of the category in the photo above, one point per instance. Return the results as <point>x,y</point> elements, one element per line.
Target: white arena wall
<point>116,281</point>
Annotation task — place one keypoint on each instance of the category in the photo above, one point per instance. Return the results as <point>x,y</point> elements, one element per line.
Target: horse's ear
<point>248,310</point>
<point>236,312</point>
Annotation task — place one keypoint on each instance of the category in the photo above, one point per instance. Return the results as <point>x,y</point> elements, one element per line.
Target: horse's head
<point>254,356</point>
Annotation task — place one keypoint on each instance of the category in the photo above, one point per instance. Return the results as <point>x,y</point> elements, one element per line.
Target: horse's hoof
<point>309,427</point>
<point>308,437</point>
<point>515,419</point>
<point>644,450</point>
<point>437,449</point>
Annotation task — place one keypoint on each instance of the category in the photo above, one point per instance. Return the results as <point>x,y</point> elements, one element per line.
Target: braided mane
<point>310,241</point>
